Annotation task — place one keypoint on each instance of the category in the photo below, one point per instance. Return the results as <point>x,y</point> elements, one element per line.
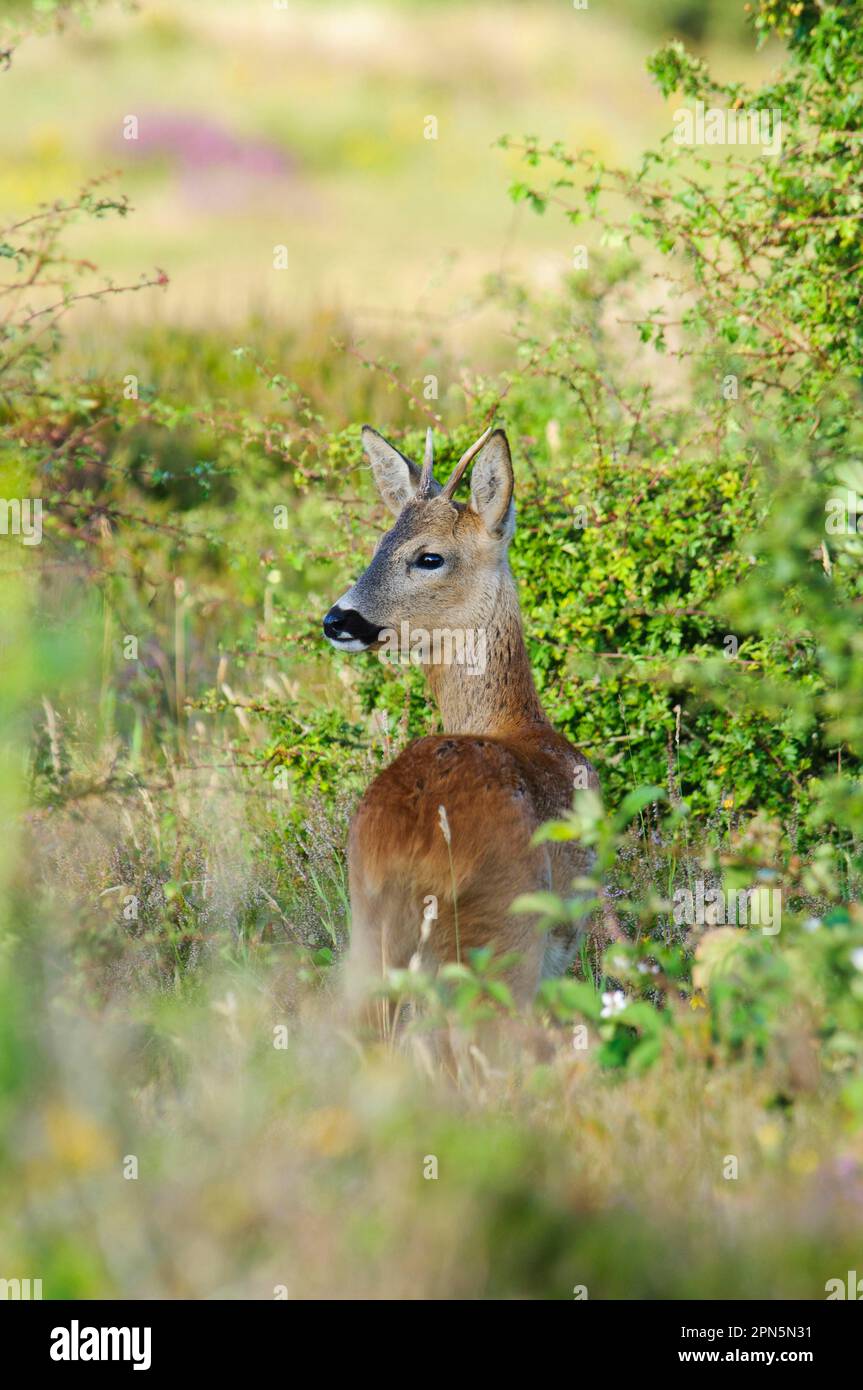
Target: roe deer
<point>499,770</point>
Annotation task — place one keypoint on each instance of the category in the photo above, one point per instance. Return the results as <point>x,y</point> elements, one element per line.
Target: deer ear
<point>491,485</point>
<point>397,478</point>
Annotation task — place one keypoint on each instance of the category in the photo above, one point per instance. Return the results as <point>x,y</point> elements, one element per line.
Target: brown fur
<point>499,771</point>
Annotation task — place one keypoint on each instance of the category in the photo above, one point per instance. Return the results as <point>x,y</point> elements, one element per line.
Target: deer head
<point>442,563</point>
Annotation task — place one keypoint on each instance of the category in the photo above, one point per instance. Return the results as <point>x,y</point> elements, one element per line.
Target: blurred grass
<point>378,221</point>
<point>304,1165</point>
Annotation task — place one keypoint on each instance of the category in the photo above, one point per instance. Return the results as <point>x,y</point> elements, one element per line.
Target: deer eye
<point>428,561</point>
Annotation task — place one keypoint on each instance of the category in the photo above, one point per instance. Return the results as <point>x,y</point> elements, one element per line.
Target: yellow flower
<point>330,1132</point>
<point>769,1136</point>
<point>804,1162</point>
<point>75,1139</point>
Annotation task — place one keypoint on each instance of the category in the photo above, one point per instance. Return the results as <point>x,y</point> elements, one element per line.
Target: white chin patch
<point>349,644</point>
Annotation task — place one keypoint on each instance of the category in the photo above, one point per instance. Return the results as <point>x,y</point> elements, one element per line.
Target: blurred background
<point>180,754</point>
<point>303,126</point>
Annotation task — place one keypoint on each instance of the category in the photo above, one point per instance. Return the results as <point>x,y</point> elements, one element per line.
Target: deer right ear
<point>491,487</point>
<point>396,477</point>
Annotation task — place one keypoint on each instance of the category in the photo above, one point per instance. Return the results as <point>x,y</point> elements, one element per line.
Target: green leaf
<point>635,802</point>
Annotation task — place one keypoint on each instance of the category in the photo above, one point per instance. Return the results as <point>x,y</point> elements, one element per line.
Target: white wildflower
<point>613,1004</point>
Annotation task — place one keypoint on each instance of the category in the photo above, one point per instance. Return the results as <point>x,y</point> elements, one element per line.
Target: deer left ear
<point>398,478</point>
<point>491,486</point>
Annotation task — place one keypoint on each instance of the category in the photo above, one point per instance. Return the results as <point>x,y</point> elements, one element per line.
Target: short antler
<point>427,474</point>
<point>457,473</point>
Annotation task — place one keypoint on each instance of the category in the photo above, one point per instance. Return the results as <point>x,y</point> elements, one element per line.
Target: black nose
<point>345,624</point>
<point>333,623</point>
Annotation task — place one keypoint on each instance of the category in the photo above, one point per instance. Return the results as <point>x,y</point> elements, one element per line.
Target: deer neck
<point>492,692</point>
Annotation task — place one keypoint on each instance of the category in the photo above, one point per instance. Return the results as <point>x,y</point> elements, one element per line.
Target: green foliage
<point>716,584</point>
<point>22,18</point>
<point>782,979</point>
